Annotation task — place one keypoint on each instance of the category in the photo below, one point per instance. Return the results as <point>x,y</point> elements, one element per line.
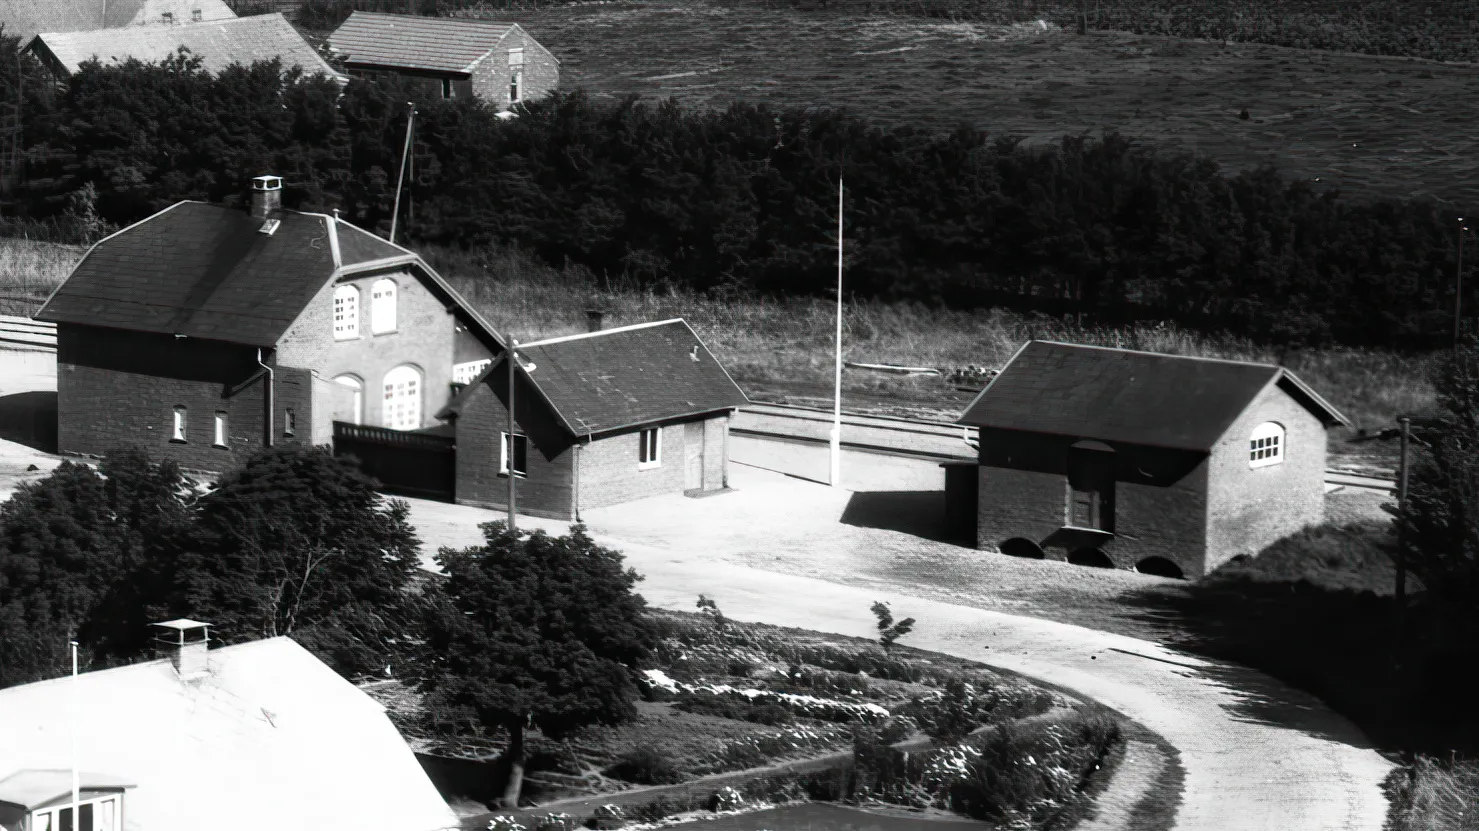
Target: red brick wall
<point>423,338</point>
<point>117,389</point>
<point>1252,508</point>
<point>490,76</point>
<point>1159,498</point>
<point>548,488</point>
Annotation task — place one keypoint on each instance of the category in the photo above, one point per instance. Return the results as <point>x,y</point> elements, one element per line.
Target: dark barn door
<point>407,464</point>
<point>1091,486</point>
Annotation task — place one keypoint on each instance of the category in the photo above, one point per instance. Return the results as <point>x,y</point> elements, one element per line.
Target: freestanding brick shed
<point>604,417</point>
<point>1165,464</point>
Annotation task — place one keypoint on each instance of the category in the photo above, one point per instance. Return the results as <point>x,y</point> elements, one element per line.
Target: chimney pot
<point>266,195</point>
<point>187,644</point>
<point>593,318</point>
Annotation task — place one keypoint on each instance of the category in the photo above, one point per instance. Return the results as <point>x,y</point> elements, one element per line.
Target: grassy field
<point>1370,126</point>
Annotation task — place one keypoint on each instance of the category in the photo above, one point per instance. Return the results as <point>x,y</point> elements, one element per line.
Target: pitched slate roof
<point>271,737</point>
<point>1134,397</point>
<point>622,378</point>
<point>206,271</point>
<point>413,42</point>
<point>219,44</point>
<point>27,18</point>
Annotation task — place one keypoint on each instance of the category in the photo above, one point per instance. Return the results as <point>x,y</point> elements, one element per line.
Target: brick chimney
<point>187,644</point>
<point>266,195</point>
<point>593,318</point>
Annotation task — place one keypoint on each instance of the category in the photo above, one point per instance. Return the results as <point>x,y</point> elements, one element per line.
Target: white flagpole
<point>76,778</point>
<point>836,480</point>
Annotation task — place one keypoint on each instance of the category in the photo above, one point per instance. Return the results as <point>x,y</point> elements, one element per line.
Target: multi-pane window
<point>521,455</point>
<point>220,436</point>
<point>401,409</point>
<point>346,313</point>
<point>382,306</point>
<point>466,373</point>
<point>649,453</point>
<point>1266,445</point>
<point>95,815</point>
<point>179,425</point>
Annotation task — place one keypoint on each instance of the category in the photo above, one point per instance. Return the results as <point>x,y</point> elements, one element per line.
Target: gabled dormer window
<point>346,313</point>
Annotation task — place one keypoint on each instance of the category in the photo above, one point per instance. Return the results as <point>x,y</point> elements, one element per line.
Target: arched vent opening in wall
<point>1091,557</point>
<point>1021,547</point>
<point>1160,567</point>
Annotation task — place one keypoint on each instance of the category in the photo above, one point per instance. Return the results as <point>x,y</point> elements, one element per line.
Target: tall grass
<point>1434,795</point>
<point>784,345</point>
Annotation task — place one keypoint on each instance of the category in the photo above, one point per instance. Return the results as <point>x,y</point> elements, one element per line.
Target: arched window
<point>1266,445</point>
<point>382,306</point>
<point>346,313</point>
<point>401,409</point>
<point>357,413</point>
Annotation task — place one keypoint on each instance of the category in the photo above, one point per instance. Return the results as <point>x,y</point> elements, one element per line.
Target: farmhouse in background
<point>450,58</point>
<point>27,18</point>
<point>252,736</point>
<point>205,333</point>
<point>1166,464</point>
<point>219,44</point>
<point>601,418</point>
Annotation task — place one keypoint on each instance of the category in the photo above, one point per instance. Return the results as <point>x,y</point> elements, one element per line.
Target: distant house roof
<point>219,44</point>
<point>412,42</point>
<point>621,378</point>
<point>207,271</point>
<point>271,737</point>
<point>1134,397</point>
<point>28,18</point>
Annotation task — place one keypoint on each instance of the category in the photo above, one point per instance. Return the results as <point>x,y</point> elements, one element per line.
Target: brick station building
<point>448,58</point>
<point>604,417</point>
<point>205,333</point>
<point>1169,465</point>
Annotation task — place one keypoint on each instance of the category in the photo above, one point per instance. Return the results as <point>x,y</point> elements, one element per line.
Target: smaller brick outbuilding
<point>1165,464</point>
<point>448,58</point>
<point>601,418</point>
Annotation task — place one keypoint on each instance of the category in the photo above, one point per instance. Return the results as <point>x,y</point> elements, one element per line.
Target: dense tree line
<point>295,542</point>
<point>745,200</point>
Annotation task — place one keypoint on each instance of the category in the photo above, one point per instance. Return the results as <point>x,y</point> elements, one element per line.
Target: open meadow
<point>1368,126</point>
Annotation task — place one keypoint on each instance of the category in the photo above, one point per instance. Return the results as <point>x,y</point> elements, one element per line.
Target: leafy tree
<point>888,630</point>
<point>78,556</point>
<point>536,631</point>
<point>298,542</point>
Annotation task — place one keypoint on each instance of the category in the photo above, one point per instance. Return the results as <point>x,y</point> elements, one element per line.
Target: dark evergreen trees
<point>536,631</point>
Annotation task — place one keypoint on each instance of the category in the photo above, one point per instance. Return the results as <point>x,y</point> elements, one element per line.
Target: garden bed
<point>809,715</point>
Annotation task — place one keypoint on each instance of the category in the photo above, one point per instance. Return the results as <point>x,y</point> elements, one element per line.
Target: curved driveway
<point>1257,754</point>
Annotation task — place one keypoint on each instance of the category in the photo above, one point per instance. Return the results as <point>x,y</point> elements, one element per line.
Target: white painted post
<point>836,478</point>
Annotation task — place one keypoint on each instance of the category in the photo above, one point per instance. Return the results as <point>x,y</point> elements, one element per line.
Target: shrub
<point>1434,795</point>
<point>646,765</point>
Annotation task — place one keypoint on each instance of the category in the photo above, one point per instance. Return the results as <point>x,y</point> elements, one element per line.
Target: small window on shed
<point>650,452</point>
<point>179,425</point>
<point>448,91</point>
<point>220,437</point>
<point>1266,445</point>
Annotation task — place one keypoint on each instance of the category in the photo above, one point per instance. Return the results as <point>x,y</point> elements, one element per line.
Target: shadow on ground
<point>1293,615</point>
<point>916,513</point>
<point>29,418</point>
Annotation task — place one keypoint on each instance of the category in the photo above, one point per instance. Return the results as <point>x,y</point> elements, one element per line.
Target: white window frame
<point>384,295</point>
<point>1267,445</point>
<point>391,415</point>
<point>655,434</point>
<point>181,431</point>
<point>289,422</point>
<point>503,454</point>
<point>53,814</point>
<point>220,428</point>
<point>346,312</point>
<point>516,85</point>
